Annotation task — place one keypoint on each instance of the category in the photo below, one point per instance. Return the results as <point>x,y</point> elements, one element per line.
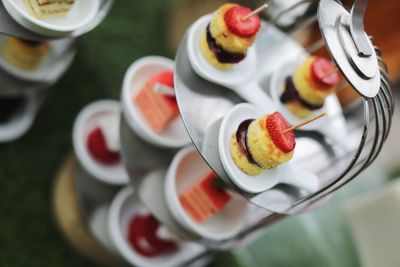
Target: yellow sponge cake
<point>227,37</point>
<point>262,144</point>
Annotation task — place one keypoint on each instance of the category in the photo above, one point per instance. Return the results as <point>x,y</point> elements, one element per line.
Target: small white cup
<point>186,168</point>
<point>124,206</point>
<point>87,119</point>
<point>138,74</point>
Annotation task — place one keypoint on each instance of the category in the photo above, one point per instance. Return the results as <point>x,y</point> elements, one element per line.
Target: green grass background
<point>28,233</point>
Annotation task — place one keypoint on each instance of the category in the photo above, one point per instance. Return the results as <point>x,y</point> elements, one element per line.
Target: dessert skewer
<point>304,122</point>
<point>310,84</point>
<point>264,143</point>
<point>255,12</point>
<point>230,33</point>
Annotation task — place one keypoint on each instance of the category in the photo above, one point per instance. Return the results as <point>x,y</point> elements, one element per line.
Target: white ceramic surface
<point>20,123</point>
<point>137,76</point>
<point>81,14</point>
<point>98,224</point>
<point>186,168</point>
<point>87,120</point>
<point>243,77</point>
<point>253,184</point>
<point>276,89</point>
<point>124,206</point>
<point>286,173</point>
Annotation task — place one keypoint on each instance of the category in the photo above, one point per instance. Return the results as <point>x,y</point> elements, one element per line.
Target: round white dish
<point>124,206</point>
<point>81,14</point>
<point>136,77</point>
<point>86,121</point>
<point>186,168</point>
<point>286,173</point>
<point>252,184</point>
<point>242,78</point>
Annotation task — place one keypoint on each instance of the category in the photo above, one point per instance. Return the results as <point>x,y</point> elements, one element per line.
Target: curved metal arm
<point>357,28</point>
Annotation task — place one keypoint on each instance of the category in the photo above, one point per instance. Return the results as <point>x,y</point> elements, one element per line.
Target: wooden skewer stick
<point>163,89</point>
<point>329,73</point>
<point>304,122</point>
<point>258,10</point>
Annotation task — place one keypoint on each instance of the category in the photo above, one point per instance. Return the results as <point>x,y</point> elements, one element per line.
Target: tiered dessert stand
<point>28,87</point>
<point>329,154</point>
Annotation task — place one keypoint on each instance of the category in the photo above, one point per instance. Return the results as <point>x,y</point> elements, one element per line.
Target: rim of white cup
<point>24,15</point>
<point>79,142</point>
<point>179,212</point>
<point>133,116</point>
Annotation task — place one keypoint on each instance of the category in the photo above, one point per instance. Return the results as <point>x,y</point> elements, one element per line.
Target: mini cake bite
<point>159,110</point>
<point>262,144</point>
<point>144,237</point>
<point>25,55</point>
<point>43,9</point>
<point>204,199</point>
<point>228,36</point>
<point>313,80</point>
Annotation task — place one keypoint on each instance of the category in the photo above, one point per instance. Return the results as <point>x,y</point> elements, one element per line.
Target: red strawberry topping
<point>324,72</point>
<point>142,235</point>
<point>96,144</point>
<point>167,78</point>
<point>244,28</point>
<point>276,125</point>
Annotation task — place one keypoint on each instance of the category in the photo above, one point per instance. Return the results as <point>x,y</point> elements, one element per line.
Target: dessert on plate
<point>313,80</point>
<point>103,141</point>
<point>146,237</point>
<point>205,198</point>
<point>43,9</point>
<point>158,109</point>
<point>228,36</point>
<point>25,55</point>
<point>262,144</point>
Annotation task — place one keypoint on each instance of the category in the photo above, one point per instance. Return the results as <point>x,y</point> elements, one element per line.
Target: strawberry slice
<point>136,230</point>
<point>323,71</point>
<point>162,246</point>
<point>247,28</point>
<point>142,236</point>
<point>167,78</point>
<point>276,125</point>
<point>96,144</point>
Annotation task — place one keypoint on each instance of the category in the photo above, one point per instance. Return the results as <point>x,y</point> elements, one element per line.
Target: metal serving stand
<point>203,105</point>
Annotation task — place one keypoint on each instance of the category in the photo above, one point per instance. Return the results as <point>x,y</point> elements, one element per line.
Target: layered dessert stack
<point>262,144</point>
<point>228,36</point>
<point>204,198</point>
<point>306,90</point>
<point>159,110</point>
<point>43,9</point>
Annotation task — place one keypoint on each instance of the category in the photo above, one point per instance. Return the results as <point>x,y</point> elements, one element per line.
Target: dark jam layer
<point>241,138</point>
<point>8,107</point>
<point>222,55</point>
<point>291,95</point>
